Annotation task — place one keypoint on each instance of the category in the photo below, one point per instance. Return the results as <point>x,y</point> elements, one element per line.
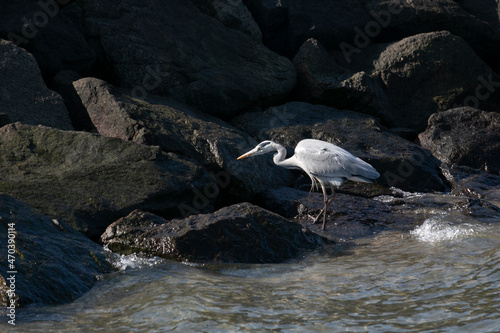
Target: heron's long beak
<point>247,154</point>
<point>243,156</point>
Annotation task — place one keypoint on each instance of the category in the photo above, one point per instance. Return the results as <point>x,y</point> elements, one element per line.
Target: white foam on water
<point>435,229</point>
<point>122,262</point>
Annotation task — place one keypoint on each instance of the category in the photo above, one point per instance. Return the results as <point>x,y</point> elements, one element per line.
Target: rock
<point>24,95</point>
<point>48,32</point>
<point>401,83</point>
<point>352,217</point>
<point>90,181</point>
<point>413,17</point>
<point>226,73</point>
<point>349,216</point>
<point>54,263</point>
<point>241,233</point>
<point>417,85</point>
<point>401,163</point>
<point>321,80</point>
<point>330,22</point>
<point>473,183</point>
<point>178,128</point>
<point>465,136</point>
<point>233,14</point>
<point>481,186</point>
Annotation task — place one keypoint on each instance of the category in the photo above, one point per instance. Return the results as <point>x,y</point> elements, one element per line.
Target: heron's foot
<point>317,217</point>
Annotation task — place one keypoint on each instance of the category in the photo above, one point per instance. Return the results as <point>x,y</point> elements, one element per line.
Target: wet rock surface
<point>465,136</point>
<point>90,180</point>
<point>240,233</point>
<point>53,262</point>
<point>351,217</point>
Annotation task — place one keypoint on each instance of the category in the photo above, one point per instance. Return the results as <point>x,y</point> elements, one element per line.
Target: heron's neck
<point>279,157</point>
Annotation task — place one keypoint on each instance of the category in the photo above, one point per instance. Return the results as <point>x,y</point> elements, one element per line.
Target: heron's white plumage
<point>324,162</point>
<point>331,164</point>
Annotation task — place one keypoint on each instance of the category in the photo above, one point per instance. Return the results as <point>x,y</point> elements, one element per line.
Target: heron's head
<point>262,148</point>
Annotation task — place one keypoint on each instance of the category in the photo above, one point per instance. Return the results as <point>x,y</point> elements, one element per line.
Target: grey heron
<point>324,162</point>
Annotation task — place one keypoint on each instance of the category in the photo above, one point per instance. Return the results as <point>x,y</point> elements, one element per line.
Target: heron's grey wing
<point>324,159</point>
<point>324,162</point>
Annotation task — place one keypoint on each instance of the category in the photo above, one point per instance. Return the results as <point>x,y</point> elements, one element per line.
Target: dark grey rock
<point>181,52</point>
<point>465,136</point>
<point>241,233</point>
<point>416,85</point>
<point>51,34</point>
<point>23,94</point>
<point>321,80</point>
<point>473,21</point>
<point>287,24</point>
<point>90,181</point>
<point>349,216</point>
<point>352,217</point>
<point>233,14</point>
<point>54,263</point>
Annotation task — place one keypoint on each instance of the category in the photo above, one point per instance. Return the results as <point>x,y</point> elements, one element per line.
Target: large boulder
<point>465,136</point>
<point>473,21</point>
<point>242,233</point>
<point>48,32</point>
<point>322,80</point>
<point>24,95</point>
<point>90,181</point>
<point>52,262</point>
<point>401,83</point>
<point>417,85</point>
<point>222,73</point>
<point>176,127</point>
<point>400,163</point>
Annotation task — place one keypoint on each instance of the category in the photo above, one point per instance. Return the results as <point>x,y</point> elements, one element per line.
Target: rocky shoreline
<point>120,125</point>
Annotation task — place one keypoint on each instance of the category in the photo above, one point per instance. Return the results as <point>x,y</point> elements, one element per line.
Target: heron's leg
<point>326,205</point>
<point>324,208</point>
